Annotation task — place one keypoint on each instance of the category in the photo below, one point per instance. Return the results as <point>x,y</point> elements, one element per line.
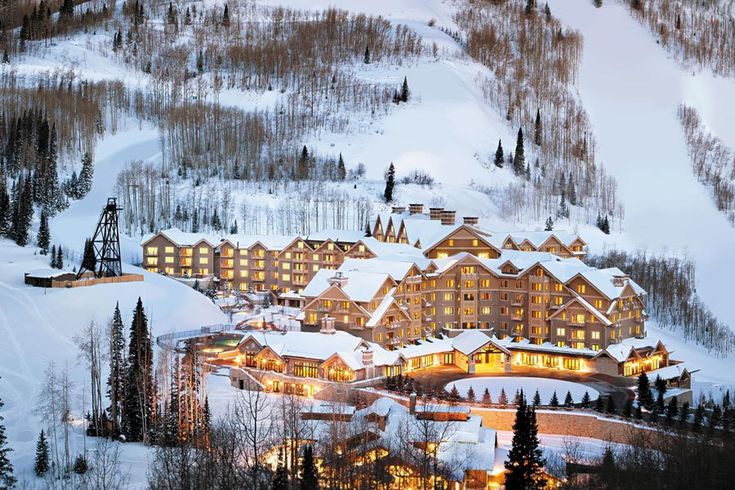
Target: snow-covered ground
<point>546,388</point>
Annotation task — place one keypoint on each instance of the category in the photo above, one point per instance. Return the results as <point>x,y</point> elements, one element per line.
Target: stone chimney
<point>435,213</point>
<point>412,403</point>
<point>367,357</point>
<point>448,217</point>
<point>338,279</point>
<point>470,220</point>
<point>620,281</point>
<point>398,209</point>
<point>328,326</point>
<point>416,208</point>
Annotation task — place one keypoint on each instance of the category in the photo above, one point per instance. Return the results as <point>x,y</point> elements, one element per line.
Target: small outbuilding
<point>44,278</point>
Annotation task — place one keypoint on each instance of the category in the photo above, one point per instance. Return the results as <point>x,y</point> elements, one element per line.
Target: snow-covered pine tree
<point>43,238</point>
<point>7,479</point>
<point>59,258</point>
<point>52,260</point>
<point>139,384</point>
<point>405,93</point>
<point>499,157</point>
<point>525,459</point>
<point>390,182</point>
<point>549,224</point>
<point>118,371</point>
<point>519,159</point>
<point>41,465</point>
<point>341,170</point>
<point>86,175</point>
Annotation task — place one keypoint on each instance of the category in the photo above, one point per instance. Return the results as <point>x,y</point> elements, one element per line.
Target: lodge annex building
<point>421,275</point>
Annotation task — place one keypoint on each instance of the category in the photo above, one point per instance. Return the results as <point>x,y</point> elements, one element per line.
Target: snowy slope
<point>631,90</point>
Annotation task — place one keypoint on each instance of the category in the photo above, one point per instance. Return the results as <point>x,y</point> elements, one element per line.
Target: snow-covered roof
<point>397,269</point>
<point>525,344</point>
<point>48,273</point>
<point>670,372</point>
<point>270,242</point>
<point>622,350</point>
<point>538,238</point>
<point>183,238</point>
<point>381,310</point>
<point>360,286</point>
<point>471,340</point>
<point>336,235</point>
<point>382,249</point>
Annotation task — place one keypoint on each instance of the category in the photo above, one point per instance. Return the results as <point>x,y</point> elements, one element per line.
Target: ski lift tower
<point>106,243</point>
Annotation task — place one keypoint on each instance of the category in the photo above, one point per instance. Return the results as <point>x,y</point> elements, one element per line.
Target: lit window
<point>581,288</point>
<point>560,332</point>
<point>204,260</point>
<point>450,242</point>
<point>151,250</point>
<point>203,250</point>
<point>169,260</point>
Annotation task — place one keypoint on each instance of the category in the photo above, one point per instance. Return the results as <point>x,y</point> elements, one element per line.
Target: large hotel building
<point>421,275</point>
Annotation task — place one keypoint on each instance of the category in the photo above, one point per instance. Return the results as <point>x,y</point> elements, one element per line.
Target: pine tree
<point>187,17</point>
<point>549,224</point>
<point>233,228</point>
<point>628,410</point>
<point>118,371</point>
<point>303,168</point>
<point>471,395</point>
<point>405,93</point>
<point>5,210</point>
<point>530,6</point>
<point>525,462</point>
<point>200,62</point>
<point>499,157</point>
<point>537,129</point>
<point>503,398</point>
<point>536,399</point>
<point>7,480</point>
<point>280,479</point>
<point>52,262</point>
<point>341,170</point>
<point>554,400</point>
<point>43,238</point>
<point>610,405</point>
<point>6,57</point>
<point>390,182</point>
<point>568,400</point>
<point>698,418</point>
<point>586,400</point>
<point>547,11</point>
<point>59,258</point>
<point>454,394</point>
<point>487,400</point>
<point>366,57</point>
<point>684,414</point>
<point>519,159</point>
<point>597,3</point>
<point>599,404</point>
<point>139,384</point>
<point>41,465</point>
<point>226,17</point>
<point>89,259</point>
<point>86,175</point>
<point>171,14</point>
<point>80,465</point>
<point>645,397</point>
<point>672,409</point>
<point>309,478</point>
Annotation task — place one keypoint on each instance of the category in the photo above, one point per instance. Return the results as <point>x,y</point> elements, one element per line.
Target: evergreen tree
<point>599,404</point>
<point>233,228</point>
<point>41,465</point>
<point>715,418</point>
<point>43,238</point>
<point>80,465</point>
<point>171,427</point>
<point>309,476</point>
<point>303,168</point>
<point>698,418</point>
<point>187,17</point>
<point>547,11</point>
<point>519,160</point>
<point>597,3</point>
<point>139,384</point>
<point>638,412</point>
<point>454,395</point>
<point>471,395</point>
<point>280,479</point>
<point>536,399</point>
<point>568,400</point>
<point>503,398</point>
<point>86,175</point>
<point>118,369</point>
<point>390,182</point>
<point>525,459</point>
<point>52,262</point>
<point>89,259</point>
<point>405,93</point>
<point>6,57</point>
<point>530,6</point>
<point>200,62</point>
<point>499,157</point>
<point>537,129</point>
<point>684,414</point>
<point>366,57</point>
<point>672,409</point>
<point>341,170</point>
<point>59,258</point>
<point>226,17</point>
<point>487,400</point>
<point>554,400</point>
<point>645,397</point>
<point>549,224</point>
<point>610,405</point>
<point>5,210</point>
<point>586,400</point>
<point>7,480</point>
<point>171,14</point>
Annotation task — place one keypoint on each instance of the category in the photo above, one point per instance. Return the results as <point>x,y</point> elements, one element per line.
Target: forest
<point>672,299</point>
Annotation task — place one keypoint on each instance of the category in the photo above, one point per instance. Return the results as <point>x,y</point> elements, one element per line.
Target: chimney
<point>412,403</point>
<point>620,281</point>
<point>435,213</point>
<point>416,208</point>
<point>328,326</point>
<point>471,220</point>
<point>367,357</point>
<point>398,209</point>
<point>447,217</point>
<point>338,279</point>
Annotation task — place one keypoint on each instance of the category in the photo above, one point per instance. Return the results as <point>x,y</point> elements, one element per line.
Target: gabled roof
<point>470,341</point>
<point>387,301</point>
<point>603,281</point>
<point>577,299</point>
<point>360,286</point>
<point>184,239</point>
<point>347,236</point>
<point>397,269</point>
<point>539,238</point>
<point>481,235</point>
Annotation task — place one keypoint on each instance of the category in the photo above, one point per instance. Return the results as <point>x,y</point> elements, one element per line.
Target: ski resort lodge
<point>420,283</point>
